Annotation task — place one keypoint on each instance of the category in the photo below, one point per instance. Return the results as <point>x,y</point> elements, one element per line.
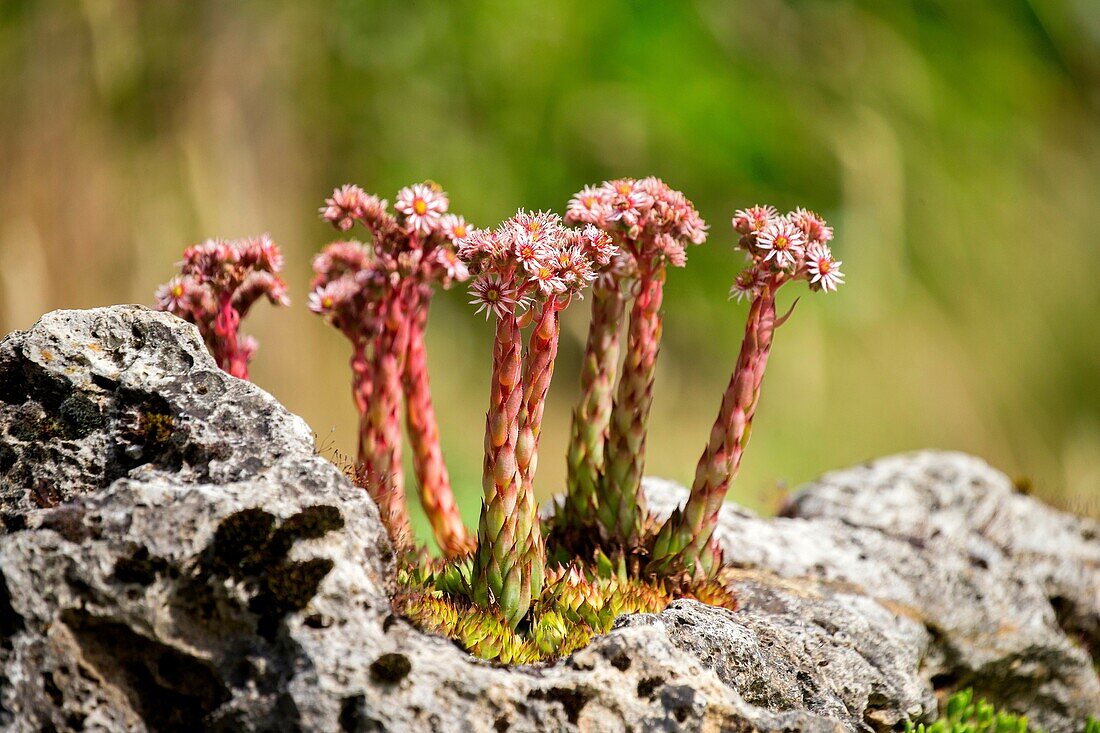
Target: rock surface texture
<point>175,556</point>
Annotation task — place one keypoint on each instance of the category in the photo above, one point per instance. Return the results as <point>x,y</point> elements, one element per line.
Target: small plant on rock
<point>506,595</point>
<point>219,281</point>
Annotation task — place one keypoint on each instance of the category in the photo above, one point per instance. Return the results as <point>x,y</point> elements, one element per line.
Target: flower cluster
<point>652,218</point>
<point>219,282</point>
<point>377,295</point>
<point>346,288</point>
<point>415,243</point>
<point>530,257</point>
<point>794,246</point>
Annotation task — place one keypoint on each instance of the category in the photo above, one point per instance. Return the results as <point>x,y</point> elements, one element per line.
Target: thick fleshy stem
<point>381,446</point>
<point>227,352</point>
<point>502,572</point>
<point>361,383</point>
<point>585,456</point>
<point>436,495</point>
<point>362,389</point>
<point>621,508</point>
<point>684,542</point>
<point>542,350</point>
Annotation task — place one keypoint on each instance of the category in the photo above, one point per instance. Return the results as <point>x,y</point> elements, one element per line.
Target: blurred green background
<point>955,146</point>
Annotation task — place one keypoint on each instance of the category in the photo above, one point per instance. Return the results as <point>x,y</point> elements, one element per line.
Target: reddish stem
<point>683,542</point>
<point>381,446</point>
<point>621,506</point>
<point>227,352</point>
<point>436,495</point>
<point>500,571</point>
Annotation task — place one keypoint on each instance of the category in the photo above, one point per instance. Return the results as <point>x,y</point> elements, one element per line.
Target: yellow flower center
<point>177,291</point>
<point>459,231</point>
<point>781,242</point>
<point>420,207</point>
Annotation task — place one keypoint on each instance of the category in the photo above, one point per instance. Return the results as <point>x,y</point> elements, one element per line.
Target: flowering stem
<point>585,457</point>
<point>682,543</point>
<point>228,355</point>
<point>362,385</point>
<point>362,389</point>
<point>431,472</point>
<point>381,445</point>
<point>621,506</point>
<point>502,571</point>
<point>542,349</point>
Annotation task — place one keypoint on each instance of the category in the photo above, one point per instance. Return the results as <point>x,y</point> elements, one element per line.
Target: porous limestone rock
<point>952,499</point>
<point>985,616</point>
<point>175,556</point>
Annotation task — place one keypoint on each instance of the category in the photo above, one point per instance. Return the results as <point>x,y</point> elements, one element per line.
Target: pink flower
<point>574,268</point>
<point>754,219</point>
<point>454,268</point>
<point>335,295</point>
<point>423,207</point>
<point>219,282</point>
<point>480,246</point>
<point>627,200</point>
<point>693,228</point>
<point>823,271</point>
<point>548,280</point>
<point>599,245</point>
<point>783,240</point>
<point>454,227</point>
<point>747,284</point>
<point>262,282</point>
<point>174,296</point>
<point>531,252</point>
<point>340,257</point>
<point>541,226</point>
<point>322,300</point>
<point>811,224</point>
<point>492,295</point>
<point>671,248</point>
<point>346,204</point>
<point>588,206</point>
<point>268,255</point>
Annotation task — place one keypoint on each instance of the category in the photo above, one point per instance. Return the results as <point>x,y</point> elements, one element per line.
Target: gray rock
<point>87,397</point>
<point>982,617</point>
<point>178,558</point>
<point>952,499</point>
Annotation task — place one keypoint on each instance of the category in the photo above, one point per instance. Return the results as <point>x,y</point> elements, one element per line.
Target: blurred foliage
<point>954,145</point>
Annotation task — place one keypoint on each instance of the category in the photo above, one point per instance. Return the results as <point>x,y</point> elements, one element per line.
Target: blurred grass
<point>955,146</point>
